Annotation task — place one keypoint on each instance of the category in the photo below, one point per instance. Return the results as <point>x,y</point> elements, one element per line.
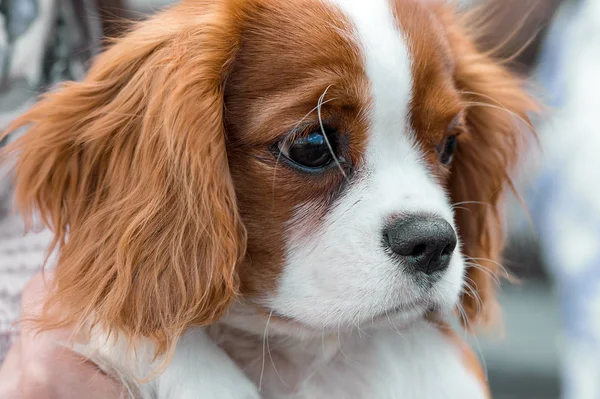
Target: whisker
<point>319,105</point>
<point>461,208</point>
<point>480,355</point>
<point>501,108</point>
<point>516,31</point>
<point>492,99</point>
<point>472,292</point>
<point>464,320</point>
<point>523,47</point>
<point>392,323</point>
<point>359,331</point>
<point>270,356</point>
<point>262,369</point>
<point>478,349</point>
<point>470,203</point>
<point>356,324</point>
<point>274,177</point>
<point>363,332</point>
<point>339,339</point>
<point>491,261</point>
<point>489,273</point>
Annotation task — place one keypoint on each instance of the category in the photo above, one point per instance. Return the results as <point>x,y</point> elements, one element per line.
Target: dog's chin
<point>395,318</point>
<point>404,316</point>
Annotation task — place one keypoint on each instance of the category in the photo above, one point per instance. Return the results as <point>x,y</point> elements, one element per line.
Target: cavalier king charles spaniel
<point>279,199</point>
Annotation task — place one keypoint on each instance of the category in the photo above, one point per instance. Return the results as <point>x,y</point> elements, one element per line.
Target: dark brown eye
<point>446,150</point>
<point>311,151</point>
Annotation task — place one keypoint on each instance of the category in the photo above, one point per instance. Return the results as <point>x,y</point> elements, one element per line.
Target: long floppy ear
<point>129,168</point>
<point>497,119</point>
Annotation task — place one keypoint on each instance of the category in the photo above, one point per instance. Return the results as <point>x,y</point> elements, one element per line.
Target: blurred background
<point>549,346</point>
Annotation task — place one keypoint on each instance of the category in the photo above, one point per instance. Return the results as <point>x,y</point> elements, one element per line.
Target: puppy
<point>279,199</point>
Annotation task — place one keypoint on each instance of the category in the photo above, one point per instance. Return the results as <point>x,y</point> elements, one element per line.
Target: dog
<point>279,199</point>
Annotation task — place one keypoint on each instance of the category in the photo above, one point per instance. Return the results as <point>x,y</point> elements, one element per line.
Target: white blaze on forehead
<point>394,162</point>
<point>388,67</point>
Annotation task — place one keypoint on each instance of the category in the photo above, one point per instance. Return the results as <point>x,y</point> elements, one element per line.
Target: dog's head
<point>330,162</point>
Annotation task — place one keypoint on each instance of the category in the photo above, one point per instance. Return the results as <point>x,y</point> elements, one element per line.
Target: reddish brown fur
<point>131,165</point>
<point>451,75</point>
<point>436,101</point>
<point>497,122</point>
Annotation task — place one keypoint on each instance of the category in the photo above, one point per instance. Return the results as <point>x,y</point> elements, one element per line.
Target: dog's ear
<point>129,168</point>
<point>498,124</point>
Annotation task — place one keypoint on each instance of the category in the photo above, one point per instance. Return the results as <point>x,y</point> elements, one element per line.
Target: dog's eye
<point>446,149</point>
<point>311,151</point>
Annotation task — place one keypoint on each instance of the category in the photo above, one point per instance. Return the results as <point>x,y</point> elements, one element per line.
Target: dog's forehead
<point>387,61</point>
<point>387,57</point>
<point>408,63</point>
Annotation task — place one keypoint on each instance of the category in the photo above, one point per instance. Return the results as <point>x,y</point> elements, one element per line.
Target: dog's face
<point>332,163</point>
<point>343,123</point>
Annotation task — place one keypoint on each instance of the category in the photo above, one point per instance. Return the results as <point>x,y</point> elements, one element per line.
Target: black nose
<point>425,243</point>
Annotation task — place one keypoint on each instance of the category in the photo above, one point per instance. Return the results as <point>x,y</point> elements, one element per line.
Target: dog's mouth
<point>398,316</point>
<point>407,311</point>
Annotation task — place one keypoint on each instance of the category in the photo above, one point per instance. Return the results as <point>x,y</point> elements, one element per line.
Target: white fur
<point>198,369</point>
<point>357,329</point>
<point>203,370</point>
<point>416,363</point>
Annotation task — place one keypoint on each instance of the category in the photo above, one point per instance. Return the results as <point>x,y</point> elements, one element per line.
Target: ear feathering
<point>498,123</point>
<point>129,168</point>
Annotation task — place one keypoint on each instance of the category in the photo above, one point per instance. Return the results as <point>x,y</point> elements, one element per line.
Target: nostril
<point>419,250</point>
<point>448,249</point>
